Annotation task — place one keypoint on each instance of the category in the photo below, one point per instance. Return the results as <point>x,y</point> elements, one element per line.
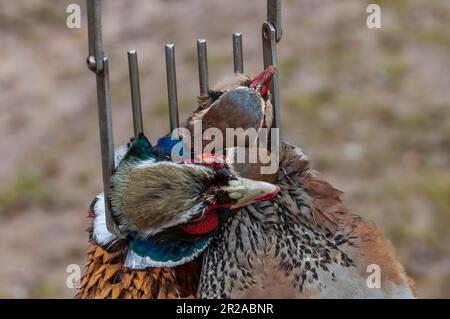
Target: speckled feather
<point>302,244</point>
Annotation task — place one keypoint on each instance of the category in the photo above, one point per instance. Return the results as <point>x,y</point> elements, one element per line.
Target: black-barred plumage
<point>302,244</point>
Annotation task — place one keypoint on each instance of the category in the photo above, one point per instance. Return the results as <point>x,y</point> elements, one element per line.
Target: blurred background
<point>370,107</point>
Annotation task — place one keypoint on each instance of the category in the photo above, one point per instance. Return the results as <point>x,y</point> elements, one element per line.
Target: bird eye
<point>246,83</point>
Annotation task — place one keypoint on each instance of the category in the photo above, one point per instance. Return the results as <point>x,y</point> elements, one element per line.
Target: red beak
<point>263,80</point>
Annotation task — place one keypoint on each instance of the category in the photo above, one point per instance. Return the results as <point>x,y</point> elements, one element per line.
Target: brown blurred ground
<point>370,107</point>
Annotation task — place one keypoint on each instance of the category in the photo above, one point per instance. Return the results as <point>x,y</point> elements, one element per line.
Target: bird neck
<point>142,252</point>
<point>150,253</point>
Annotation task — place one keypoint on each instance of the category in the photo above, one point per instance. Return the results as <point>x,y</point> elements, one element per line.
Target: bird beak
<point>247,191</point>
<point>262,81</point>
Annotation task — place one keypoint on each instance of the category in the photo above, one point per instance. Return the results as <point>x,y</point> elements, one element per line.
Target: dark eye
<point>215,95</point>
<point>222,197</point>
<point>247,83</point>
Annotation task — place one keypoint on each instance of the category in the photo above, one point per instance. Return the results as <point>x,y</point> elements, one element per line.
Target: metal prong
<point>270,58</point>
<point>172,86</point>
<point>98,63</point>
<point>274,17</point>
<point>135,93</point>
<point>95,58</point>
<point>202,66</point>
<point>272,33</point>
<point>106,140</point>
<point>237,53</point>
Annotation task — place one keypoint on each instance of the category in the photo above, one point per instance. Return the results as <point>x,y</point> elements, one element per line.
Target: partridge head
<point>242,102</point>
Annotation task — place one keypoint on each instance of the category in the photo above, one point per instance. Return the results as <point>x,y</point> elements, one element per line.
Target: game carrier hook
<point>97,62</point>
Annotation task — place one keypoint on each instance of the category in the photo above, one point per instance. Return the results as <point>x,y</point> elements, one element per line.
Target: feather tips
<point>113,280</point>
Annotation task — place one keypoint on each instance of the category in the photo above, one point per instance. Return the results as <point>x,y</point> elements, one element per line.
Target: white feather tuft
<point>101,234</point>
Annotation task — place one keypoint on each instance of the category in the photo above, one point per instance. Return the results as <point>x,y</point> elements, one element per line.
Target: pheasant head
<point>169,211</point>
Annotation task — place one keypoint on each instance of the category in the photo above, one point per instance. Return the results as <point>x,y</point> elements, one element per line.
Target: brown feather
<point>104,279</point>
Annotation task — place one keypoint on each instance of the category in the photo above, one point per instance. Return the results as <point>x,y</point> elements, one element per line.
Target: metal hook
<point>98,63</point>
<point>106,141</point>
<point>105,124</point>
<point>271,35</point>
<point>270,58</point>
<point>274,17</point>
<point>202,56</point>
<point>238,58</point>
<point>172,86</point>
<point>135,93</point>
<point>95,58</point>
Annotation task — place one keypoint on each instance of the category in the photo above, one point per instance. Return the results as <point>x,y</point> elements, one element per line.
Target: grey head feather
<point>149,197</point>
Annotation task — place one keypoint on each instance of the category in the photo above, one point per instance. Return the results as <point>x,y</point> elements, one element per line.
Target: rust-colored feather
<point>116,290</point>
<point>111,270</point>
<point>104,293</point>
<point>126,280</point>
<point>137,283</point>
<point>106,277</point>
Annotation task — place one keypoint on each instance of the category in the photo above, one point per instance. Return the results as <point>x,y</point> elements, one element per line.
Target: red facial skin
<point>211,221</point>
<point>263,80</point>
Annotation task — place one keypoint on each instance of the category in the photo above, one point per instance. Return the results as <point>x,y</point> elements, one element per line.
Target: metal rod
<point>106,140</point>
<point>95,58</point>
<point>202,56</point>
<point>271,34</point>
<point>237,53</point>
<point>172,86</point>
<point>135,93</point>
<point>98,63</point>
<point>274,17</point>
<point>270,57</point>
